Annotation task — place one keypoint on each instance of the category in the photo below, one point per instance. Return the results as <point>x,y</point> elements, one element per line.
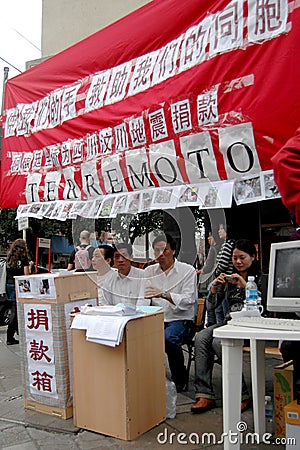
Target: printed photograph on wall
<point>248,190</point>
<point>119,205</point>
<point>270,188</point>
<point>189,196</point>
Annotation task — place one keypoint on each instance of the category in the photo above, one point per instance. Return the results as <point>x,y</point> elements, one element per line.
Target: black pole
<point>5,77</point>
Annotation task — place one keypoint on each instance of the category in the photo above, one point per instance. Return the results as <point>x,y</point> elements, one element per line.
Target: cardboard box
<point>67,287</point>
<point>121,391</point>
<point>62,413</point>
<point>283,395</point>
<point>45,337</point>
<point>292,419</point>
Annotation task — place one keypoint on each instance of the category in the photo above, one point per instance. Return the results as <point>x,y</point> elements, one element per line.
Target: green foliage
<point>8,228</point>
<point>127,227</point>
<point>37,228</point>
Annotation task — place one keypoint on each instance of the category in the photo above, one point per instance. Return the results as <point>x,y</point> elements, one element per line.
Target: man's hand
<point>152,292</point>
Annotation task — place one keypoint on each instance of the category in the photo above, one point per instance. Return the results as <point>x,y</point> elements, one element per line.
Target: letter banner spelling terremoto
<point>178,103</point>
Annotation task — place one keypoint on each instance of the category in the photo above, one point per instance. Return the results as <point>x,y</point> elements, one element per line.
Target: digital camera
<point>230,279</point>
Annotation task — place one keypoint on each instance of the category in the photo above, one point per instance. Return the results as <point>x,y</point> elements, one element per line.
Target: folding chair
<point>189,341</point>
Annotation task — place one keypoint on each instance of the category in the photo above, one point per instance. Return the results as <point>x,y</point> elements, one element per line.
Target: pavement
<point>22,429</point>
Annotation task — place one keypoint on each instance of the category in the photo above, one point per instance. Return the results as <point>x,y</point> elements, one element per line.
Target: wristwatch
<point>164,295</point>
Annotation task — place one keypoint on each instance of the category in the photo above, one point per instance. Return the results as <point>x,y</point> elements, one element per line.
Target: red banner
<point>175,94</point>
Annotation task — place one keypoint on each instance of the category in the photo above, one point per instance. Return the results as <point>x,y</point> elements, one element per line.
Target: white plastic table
<point>232,339</point>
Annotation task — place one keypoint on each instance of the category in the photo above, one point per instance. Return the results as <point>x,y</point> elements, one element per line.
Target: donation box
<point>121,391</point>
<point>45,302</point>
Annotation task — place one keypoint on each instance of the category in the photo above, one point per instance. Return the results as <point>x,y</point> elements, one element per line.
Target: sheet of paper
<point>149,309</point>
<point>107,330</point>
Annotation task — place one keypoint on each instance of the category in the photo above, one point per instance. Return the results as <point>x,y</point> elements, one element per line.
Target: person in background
<point>106,238</point>
<point>224,265</point>
<point>286,165</point>
<point>211,259</point>
<point>103,237</point>
<point>206,274</point>
<point>295,236</point>
<point>17,264</point>
<point>173,286</point>
<point>206,346</point>
<point>94,239</point>
<point>123,285</point>
<point>85,247</point>
<point>224,257</point>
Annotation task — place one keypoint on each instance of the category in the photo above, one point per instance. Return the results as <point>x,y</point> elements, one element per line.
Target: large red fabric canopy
<point>176,93</point>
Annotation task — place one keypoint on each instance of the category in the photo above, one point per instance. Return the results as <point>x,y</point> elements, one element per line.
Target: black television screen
<point>287,273</point>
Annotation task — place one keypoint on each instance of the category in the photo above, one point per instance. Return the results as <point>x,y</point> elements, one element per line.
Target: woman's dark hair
<point>17,251</point>
<point>248,247</point>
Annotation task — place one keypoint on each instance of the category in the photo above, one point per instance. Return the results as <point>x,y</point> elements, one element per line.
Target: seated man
<point>172,285</point>
<point>107,252</point>
<point>123,285</point>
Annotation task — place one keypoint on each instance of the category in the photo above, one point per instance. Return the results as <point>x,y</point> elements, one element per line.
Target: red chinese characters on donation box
<point>40,350</point>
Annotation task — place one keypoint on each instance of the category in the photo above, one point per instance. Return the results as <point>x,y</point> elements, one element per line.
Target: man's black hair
<point>108,252</point>
<point>126,245</point>
<point>165,238</point>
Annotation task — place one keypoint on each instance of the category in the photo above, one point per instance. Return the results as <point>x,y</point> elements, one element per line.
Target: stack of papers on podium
<point>105,324</point>
<point>104,310</point>
<point>106,330</point>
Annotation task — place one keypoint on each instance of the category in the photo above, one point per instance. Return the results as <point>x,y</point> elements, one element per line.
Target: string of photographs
<point>204,196</point>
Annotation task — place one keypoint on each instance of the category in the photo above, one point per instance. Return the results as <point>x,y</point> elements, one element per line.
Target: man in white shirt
<point>172,285</point>
<point>123,285</point>
<point>102,251</point>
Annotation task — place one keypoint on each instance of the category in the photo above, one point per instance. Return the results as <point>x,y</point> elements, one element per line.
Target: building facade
<point>65,22</point>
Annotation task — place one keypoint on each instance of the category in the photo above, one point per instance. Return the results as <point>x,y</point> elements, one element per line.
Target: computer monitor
<point>284,277</point>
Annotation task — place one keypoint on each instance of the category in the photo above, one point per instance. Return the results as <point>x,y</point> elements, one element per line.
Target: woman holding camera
<point>232,288</point>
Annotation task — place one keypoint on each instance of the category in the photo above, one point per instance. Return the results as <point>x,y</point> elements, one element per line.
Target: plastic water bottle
<point>251,294</point>
<point>171,397</point>
<point>269,414</point>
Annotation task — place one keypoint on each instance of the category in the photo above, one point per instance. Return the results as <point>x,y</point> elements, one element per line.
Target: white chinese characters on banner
<point>266,19</point>
<point>224,31</point>
<point>96,92</point>
<point>193,50</point>
<point>40,349</point>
